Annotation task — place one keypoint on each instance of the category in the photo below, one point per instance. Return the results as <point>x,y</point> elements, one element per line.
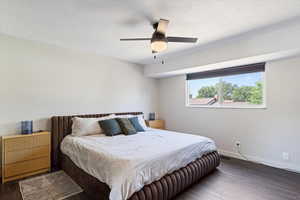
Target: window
<point>235,87</point>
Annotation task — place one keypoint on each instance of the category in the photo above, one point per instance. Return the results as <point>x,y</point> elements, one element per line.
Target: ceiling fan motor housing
<point>158,42</point>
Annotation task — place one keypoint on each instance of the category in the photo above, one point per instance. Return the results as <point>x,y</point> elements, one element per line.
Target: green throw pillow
<point>126,126</point>
<point>110,127</point>
<point>136,124</point>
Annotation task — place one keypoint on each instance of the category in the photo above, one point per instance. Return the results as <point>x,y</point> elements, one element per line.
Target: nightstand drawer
<point>21,143</point>
<point>26,167</point>
<point>41,140</point>
<point>26,154</point>
<point>159,124</point>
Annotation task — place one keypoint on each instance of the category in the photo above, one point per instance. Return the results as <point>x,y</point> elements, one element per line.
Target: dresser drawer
<point>26,154</point>
<point>31,141</point>
<point>159,124</point>
<point>41,140</point>
<point>26,167</point>
<point>20,143</point>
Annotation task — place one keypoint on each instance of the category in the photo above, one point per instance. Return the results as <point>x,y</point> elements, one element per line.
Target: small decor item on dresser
<point>26,127</point>
<point>152,116</point>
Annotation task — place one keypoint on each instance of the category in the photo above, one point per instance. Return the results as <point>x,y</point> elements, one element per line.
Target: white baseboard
<point>285,166</point>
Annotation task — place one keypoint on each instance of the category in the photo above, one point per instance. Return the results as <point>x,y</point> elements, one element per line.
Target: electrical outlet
<point>237,143</point>
<point>285,156</point>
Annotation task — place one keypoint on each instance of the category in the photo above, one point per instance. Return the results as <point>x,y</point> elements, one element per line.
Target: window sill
<point>227,107</point>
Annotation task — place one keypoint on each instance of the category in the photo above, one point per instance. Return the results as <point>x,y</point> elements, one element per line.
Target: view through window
<point>239,90</point>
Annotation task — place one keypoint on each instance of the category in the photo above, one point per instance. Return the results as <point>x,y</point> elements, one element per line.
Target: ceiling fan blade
<point>162,26</point>
<point>134,39</point>
<point>182,39</point>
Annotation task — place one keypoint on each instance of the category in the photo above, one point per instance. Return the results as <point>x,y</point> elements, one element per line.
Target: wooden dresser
<point>25,155</point>
<point>158,123</point>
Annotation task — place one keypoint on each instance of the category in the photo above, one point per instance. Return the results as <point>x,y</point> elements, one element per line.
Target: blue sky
<point>240,80</point>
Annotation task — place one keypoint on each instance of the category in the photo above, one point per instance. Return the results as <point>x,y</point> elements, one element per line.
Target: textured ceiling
<point>97,25</point>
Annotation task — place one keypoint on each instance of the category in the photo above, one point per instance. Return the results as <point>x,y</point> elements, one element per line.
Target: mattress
<point>127,163</point>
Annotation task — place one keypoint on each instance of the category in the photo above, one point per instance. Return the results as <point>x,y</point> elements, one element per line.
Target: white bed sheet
<point>127,163</point>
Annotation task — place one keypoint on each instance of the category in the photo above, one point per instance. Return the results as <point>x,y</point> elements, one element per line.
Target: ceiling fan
<point>159,41</point>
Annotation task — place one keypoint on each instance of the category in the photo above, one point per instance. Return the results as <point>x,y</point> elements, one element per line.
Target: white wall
<point>38,81</point>
<point>264,133</point>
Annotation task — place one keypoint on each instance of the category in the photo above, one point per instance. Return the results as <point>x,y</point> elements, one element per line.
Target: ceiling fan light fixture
<point>158,42</point>
<point>158,45</point>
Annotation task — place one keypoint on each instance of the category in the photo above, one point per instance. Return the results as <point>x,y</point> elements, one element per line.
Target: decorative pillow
<point>88,126</point>
<point>136,124</point>
<point>110,127</point>
<point>126,126</point>
<point>140,117</point>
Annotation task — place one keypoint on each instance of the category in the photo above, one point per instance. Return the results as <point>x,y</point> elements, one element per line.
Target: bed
<point>164,179</point>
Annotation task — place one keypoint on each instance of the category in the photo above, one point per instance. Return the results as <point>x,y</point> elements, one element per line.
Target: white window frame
<point>262,106</point>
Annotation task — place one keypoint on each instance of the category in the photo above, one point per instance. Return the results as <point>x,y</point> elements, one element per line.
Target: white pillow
<point>142,122</point>
<point>88,126</point>
<point>124,116</point>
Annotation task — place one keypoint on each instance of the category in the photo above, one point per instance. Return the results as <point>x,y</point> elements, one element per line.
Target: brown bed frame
<point>165,188</point>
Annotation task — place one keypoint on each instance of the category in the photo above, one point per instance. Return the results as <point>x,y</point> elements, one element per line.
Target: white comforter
<point>127,163</point>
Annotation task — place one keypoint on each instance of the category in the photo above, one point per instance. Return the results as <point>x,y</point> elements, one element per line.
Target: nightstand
<point>25,155</point>
<point>158,123</point>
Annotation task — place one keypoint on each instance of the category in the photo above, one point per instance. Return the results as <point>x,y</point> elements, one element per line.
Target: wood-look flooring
<point>234,180</point>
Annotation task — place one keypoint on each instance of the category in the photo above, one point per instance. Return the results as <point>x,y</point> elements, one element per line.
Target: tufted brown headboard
<point>62,126</point>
